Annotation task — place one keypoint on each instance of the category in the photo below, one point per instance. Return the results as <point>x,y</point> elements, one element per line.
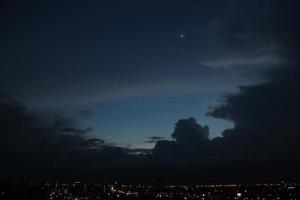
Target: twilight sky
<point>191,81</point>
<point>139,64</point>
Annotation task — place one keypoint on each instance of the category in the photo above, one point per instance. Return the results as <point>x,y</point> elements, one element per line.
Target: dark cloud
<point>189,137</point>
<point>168,149</point>
<point>262,145</point>
<point>265,115</point>
<point>75,130</point>
<point>19,125</point>
<point>188,132</point>
<point>30,146</point>
<point>78,142</point>
<point>137,151</point>
<point>84,113</point>
<point>265,118</point>
<point>153,139</point>
<point>253,36</point>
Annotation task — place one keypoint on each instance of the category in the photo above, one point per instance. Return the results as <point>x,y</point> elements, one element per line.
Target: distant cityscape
<point>97,190</point>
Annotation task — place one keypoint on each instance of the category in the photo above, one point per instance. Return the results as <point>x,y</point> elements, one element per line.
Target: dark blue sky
<point>139,66</point>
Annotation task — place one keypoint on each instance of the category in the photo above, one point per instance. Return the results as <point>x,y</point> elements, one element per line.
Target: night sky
<point>105,89</point>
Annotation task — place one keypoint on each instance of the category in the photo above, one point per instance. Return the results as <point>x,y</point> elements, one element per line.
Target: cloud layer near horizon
<point>265,134</point>
<point>265,118</point>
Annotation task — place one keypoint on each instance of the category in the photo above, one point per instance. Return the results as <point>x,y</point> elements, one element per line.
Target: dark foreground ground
<point>79,190</point>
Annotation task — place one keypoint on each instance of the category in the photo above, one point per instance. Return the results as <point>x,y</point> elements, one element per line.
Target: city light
<point>98,190</point>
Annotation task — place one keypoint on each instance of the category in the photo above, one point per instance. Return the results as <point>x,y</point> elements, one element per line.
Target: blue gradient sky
<point>132,120</point>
